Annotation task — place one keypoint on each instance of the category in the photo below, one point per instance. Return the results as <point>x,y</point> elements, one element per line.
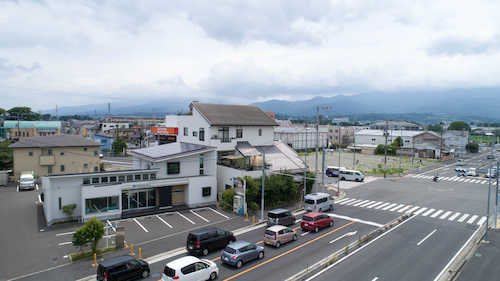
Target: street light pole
<point>317,144</point>
<point>386,134</point>
<point>488,205</point>
<point>305,164</point>
<point>262,190</point>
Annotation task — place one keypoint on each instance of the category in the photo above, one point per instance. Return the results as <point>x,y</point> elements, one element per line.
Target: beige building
<point>17,130</point>
<point>55,155</point>
<point>345,136</point>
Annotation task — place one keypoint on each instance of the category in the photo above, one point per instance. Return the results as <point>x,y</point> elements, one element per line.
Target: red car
<point>315,221</point>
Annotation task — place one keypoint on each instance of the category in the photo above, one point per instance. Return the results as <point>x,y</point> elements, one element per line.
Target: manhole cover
<point>477,254</point>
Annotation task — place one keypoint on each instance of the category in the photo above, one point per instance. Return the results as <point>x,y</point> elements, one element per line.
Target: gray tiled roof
<point>54,141</point>
<point>235,115</point>
<point>169,150</point>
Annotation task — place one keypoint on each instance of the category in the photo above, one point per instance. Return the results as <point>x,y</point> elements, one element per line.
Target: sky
<point>87,52</point>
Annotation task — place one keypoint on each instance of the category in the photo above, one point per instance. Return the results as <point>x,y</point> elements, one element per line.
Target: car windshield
<point>26,179</point>
<point>309,201</point>
<point>230,250</point>
<point>274,215</point>
<point>270,232</point>
<point>306,218</point>
<point>169,271</point>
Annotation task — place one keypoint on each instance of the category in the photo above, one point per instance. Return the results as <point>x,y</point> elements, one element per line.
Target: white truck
<point>26,181</point>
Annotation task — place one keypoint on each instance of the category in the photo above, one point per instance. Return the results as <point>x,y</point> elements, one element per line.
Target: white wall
<point>193,193</point>
<point>69,191</point>
<point>224,175</point>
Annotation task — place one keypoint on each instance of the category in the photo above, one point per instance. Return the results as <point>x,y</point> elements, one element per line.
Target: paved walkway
<point>483,265</point>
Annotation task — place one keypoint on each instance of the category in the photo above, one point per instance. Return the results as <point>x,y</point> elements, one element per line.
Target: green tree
<point>228,197</point>
<point>309,181</point>
<point>398,142</point>
<point>6,156</point>
<point>2,111</point>
<point>459,126</point>
<point>22,113</point>
<point>68,209</point>
<point>79,238</point>
<point>435,128</point>
<point>472,147</point>
<point>119,145</point>
<point>94,231</point>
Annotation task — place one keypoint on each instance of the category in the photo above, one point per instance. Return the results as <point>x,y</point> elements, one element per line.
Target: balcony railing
<point>47,160</point>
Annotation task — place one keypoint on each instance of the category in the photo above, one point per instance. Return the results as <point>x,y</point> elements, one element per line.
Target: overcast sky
<point>85,52</point>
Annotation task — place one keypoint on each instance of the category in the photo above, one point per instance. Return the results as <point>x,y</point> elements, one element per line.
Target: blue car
<point>240,252</point>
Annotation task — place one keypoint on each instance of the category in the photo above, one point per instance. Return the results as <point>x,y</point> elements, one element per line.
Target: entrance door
<point>165,196</point>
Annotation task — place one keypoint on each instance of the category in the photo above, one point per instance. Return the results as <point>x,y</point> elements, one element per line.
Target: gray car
<point>240,252</point>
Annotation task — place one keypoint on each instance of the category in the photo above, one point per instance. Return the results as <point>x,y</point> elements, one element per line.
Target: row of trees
<point>25,113</point>
<point>454,126</point>
<point>391,148</point>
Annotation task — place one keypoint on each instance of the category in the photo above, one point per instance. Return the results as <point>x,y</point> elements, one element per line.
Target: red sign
<point>165,131</point>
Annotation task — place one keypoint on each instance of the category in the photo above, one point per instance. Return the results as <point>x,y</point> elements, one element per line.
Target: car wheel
<point>316,229</point>
<point>331,223</point>
<point>342,179</point>
<point>213,276</point>
<point>145,273</point>
<point>295,237</point>
<point>261,255</point>
<point>331,208</point>
<point>239,264</point>
<point>278,244</point>
<point>205,252</point>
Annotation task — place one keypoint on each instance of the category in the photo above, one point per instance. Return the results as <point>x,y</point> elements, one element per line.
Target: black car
<point>280,216</point>
<point>122,268</point>
<point>202,241</point>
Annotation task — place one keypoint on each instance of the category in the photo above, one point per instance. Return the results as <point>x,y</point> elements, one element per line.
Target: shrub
<point>68,209</point>
<point>252,206</point>
<point>228,197</point>
<point>91,232</point>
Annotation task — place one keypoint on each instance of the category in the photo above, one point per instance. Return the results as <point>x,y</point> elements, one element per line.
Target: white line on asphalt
<point>445,178</point>
<point>397,207</point>
<point>305,233</point>
<point>356,220</point>
<point>425,238</point>
<point>467,180</point>
<point>373,205</point>
<point>219,213</point>
<point>481,221</point>
<point>413,209</point>
<point>357,250</point>
<point>163,221</point>
<point>347,234</point>
<point>428,212</point>
<point>460,180</point>
<point>420,211</point>
<point>375,279</point>
<point>390,206</point>
<point>194,213</point>
<point>362,202</point>
<point>381,206</point>
<point>65,233</point>
<point>353,202</point>
<point>366,204</point>
<point>348,201</point>
<point>472,219</point>
<point>452,218</point>
<point>64,243</point>
<point>455,178</point>
<point>41,271</point>
<point>438,277</point>
<point>342,200</point>
<point>484,182</point>
<point>139,224</point>
<point>463,217</point>
<point>436,213</point>
<point>405,208</point>
<point>186,218</point>
<point>445,215</point>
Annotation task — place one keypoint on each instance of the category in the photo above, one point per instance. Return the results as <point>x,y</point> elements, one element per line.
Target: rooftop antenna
<point>57,113</point>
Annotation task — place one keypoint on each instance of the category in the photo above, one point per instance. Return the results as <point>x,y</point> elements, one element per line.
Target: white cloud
<point>77,52</point>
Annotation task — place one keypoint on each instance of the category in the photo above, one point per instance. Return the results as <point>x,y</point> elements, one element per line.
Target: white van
<point>351,175</point>
<point>333,171</point>
<point>26,181</point>
<point>318,202</point>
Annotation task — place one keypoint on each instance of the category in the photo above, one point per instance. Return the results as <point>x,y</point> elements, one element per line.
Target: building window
<point>60,203</point>
<point>30,153</point>
<point>62,168</point>
<point>137,177</point>
<point>49,169</point>
<point>112,179</point>
<point>173,168</point>
<point>85,166</point>
<point>260,132</point>
<point>145,177</point>
<point>195,133</point>
<point>27,134</point>
<point>206,191</point>
<point>152,176</point>
<point>84,149</point>
<point>223,134</point>
<point>186,131</point>
<point>239,133</point>
<point>130,177</point>
<point>86,181</point>
<point>49,151</point>
<point>202,134</point>
<point>62,153</point>
<point>121,178</point>
<point>95,180</point>
<point>104,179</point>
<point>101,204</point>
<point>202,170</point>
<point>96,169</point>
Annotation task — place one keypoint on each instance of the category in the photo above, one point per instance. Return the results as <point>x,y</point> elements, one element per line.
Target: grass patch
<point>88,253</point>
<point>65,222</point>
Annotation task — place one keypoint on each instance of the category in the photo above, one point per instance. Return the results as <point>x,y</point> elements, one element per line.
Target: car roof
<point>317,195</point>
<point>312,214</point>
<point>353,171</point>
<point>181,262</point>
<point>117,260</point>
<point>276,228</point>
<point>279,210</point>
<point>238,244</point>
<point>203,230</point>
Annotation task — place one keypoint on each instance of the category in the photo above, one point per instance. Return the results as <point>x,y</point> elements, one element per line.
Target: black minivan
<point>280,216</point>
<point>122,268</point>
<point>204,240</point>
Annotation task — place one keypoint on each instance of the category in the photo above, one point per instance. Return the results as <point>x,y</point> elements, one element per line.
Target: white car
<point>190,268</point>
<point>351,175</point>
<point>472,172</point>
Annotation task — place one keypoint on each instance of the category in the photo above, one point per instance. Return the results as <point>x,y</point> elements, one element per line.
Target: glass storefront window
<point>101,204</point>
<point>137,177</point>
<point>125,200</point>
<point>145,177</point>
<point>113,203</point>
<point>130,177</point>
<point>142,199</point>
<point>133,200</point>
<point>152,198</point>
<point>152,176</point>
<point>121,178</point>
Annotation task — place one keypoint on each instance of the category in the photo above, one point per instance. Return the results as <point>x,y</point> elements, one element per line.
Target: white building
<point>302,137</point>
<point>166,176</point>
<point>455,141</point>
<point>376,137</point>
<point>107,127</point>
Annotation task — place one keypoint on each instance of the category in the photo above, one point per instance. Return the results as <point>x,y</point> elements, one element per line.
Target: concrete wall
<point>68,190</point>
<point>193,193</point>
<point>224,175</point>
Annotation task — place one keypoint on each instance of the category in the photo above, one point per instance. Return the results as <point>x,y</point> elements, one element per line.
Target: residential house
<point>16,130</point>
<point>427,145</point>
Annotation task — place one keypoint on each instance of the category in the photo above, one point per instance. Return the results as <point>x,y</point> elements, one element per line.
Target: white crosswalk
<point>416,210</point>
<point>453,179</point>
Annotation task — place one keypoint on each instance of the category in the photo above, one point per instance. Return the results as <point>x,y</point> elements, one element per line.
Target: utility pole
<point>488,204</point>
<point>262,190</point>
<point>399,144</point>
<point>305,165</point>
<point>317,144</point>
<point>386,134</point>
<point>354,155</point>
<point>496,195</point>
<point>323,171</point>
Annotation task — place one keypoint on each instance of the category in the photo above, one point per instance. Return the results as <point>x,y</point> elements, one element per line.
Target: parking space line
<point>425,238</point>
<point>194,213</point>
<point>305,233</point>
<point>219,213</point>
<point>64,243</point>
<point>186,218</point>
<point>65,233</point>
<point>163,221</point>
<point>139,224</point>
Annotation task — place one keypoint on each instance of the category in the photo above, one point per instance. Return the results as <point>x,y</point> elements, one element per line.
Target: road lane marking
<point>163,221</point>
<point>362,202</point>
<point>288,252</point>
<point>383,205</point>
<point>347,201</point>
<point>437,213</point>
<point>397,207</point>
<point>428,212</point>
<point>404,209</point>
<point>452,218</point>
<point>65,233</point>
<point>139,224</point>
<point>194,213</point>
<point>425,238</point>
<point>484,182</point>
<point>356,220</point>
<point>366,204</point>
<point>217,212</point>
<point>353,202</point>
<point>445,215</point>
<point>413,209</point>
<point>463,217</point>
<point>345,235</point>
<point>342,200</point>
<point>186,218</point>
<point>481,221</point>
<point>420,211</point>
<point>390,206</point>
<point>472,219</point>
<point>373,205</point>
<point>305,233</point>
<point>358,249</point>
<point>64,243</point>
<point>460,180</point>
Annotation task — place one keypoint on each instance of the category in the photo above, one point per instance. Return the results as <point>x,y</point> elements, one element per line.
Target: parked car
<point>241,252</point>
<point>490,156</point>
<point>26,181</point>
<point>351,175</point>
<point>122,268</point>
<point>461,172</point>
<point>315,221</point>
<point>204,240</point>
<point>472,172</point>
<point>333,171</point>
<point>460,162</point>
<point>190,268</point>
<point>280,216</point>
<point>318,202</point>
<point>278,235</point>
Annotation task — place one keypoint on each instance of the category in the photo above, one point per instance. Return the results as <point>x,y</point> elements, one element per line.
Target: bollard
<point>253,219</point>
<point>140,254</point>
<point>131,249</point>
<point>95,260</point>
<point>246,216</point>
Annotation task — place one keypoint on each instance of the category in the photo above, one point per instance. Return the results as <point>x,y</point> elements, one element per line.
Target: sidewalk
<point>483,265</point>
